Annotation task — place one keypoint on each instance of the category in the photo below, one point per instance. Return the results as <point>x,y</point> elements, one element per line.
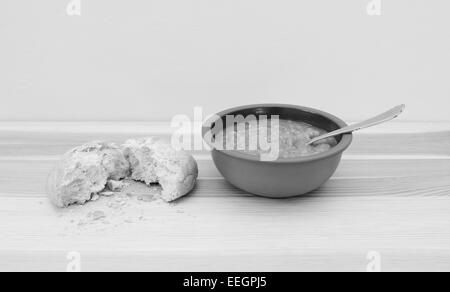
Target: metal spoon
<point>384,117</point>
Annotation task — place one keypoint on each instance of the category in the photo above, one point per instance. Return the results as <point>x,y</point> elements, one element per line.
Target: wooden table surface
<point>388,204</point>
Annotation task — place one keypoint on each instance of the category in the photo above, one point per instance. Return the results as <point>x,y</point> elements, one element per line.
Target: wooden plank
<point>236,234</point>
<point>200,223</point>
<point>28,169</point>
<point>306,260</point>
<point>354,177</point>
<point>55,143</point>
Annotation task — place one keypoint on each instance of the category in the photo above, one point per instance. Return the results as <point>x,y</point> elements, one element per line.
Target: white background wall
<point>150,59</point>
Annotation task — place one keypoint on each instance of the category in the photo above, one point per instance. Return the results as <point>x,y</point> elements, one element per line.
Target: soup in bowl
<point>290,138</point>
<point>280,164</point>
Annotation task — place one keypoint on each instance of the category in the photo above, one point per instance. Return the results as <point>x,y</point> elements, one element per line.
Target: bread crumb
<point>115,185</point>
<point>145,198</point>
<point>107,194</point>
<point>97,215</point>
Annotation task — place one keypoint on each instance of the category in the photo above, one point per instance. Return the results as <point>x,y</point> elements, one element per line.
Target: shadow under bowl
<point>285,177</point>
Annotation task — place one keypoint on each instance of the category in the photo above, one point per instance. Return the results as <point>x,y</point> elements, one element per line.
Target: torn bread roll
<point>155,161</point>
<point>84,172</point>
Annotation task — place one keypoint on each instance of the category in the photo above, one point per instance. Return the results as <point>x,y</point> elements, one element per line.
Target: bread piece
<point>84,172</point>
<point>155,161</point>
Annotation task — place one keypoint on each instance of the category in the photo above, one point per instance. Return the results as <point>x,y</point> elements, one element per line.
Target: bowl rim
<point>338,149</point>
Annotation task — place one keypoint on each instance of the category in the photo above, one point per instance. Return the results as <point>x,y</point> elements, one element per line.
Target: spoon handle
<point>382,118</point>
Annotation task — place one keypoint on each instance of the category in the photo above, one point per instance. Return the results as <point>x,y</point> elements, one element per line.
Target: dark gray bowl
<point>286,177</point>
